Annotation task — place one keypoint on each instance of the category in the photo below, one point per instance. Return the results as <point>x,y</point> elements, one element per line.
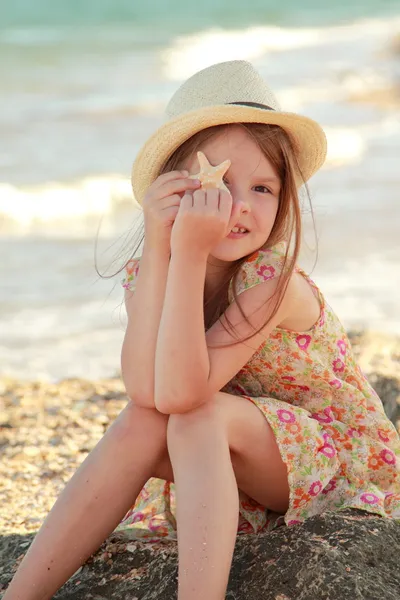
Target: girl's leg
<point>93,502</point>
<point>207,504</point>
<point>222,446</point>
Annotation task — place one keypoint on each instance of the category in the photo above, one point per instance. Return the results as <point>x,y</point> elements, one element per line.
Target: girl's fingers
<point>173,200</point>
<point>225,203</point>
<point>176,186</point>
<point>215,199</point>
<point>170,176</point>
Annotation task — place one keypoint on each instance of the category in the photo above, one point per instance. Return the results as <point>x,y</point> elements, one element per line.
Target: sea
<point>83,83</point>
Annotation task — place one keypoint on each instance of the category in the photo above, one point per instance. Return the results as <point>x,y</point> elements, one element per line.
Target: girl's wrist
<point>160,251</point>
<point>189,254</point>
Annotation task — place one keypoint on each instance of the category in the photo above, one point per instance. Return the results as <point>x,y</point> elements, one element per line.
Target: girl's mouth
<point>236,235</point>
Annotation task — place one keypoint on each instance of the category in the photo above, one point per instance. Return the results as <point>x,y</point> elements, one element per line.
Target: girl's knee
<point>205,417</point>
<point>135,419</point>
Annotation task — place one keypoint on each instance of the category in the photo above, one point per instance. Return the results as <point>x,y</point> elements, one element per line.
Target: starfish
<point>211,177</point>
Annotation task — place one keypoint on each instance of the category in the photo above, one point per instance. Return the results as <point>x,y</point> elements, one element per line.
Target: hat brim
<point>308,139</point>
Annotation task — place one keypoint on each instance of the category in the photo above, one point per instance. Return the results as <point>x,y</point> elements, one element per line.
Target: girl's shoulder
<point>307,302</point>
<point>259,267</point>
<point>131,271</point>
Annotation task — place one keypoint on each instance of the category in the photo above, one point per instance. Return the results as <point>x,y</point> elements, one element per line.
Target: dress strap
<point>130,274</point>
<point>259,267</point>
<point>317,293</point>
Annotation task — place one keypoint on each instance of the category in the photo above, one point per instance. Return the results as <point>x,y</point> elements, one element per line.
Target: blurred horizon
<point>83,84</point>
<point>191,16</point>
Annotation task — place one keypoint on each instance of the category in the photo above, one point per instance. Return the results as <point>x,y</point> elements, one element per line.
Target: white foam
<point>345,146</point>
<point>190,53</point>
<point>328,65</point>
<point>73,208</point>
<point>59,204</point>
<point>319,89</point>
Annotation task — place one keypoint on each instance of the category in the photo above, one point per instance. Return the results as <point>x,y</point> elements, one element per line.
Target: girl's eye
<point>267,190</point>
<point>261,188</point>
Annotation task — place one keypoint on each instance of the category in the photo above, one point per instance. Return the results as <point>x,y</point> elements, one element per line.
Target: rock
<point>388,389</point>
<point>349,555</point>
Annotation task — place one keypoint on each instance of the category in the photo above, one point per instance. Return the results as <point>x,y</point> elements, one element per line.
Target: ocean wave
<point>190,53</point>
<point>56,207</point>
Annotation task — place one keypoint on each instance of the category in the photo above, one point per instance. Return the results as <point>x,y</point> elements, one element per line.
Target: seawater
<point>83,84</point>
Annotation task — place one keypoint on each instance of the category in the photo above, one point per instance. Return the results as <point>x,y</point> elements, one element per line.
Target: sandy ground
<point>47,430</point>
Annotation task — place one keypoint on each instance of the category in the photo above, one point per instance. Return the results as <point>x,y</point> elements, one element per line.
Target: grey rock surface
<point>349,555</point>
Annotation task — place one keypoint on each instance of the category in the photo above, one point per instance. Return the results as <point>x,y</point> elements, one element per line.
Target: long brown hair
<point>277,147</point>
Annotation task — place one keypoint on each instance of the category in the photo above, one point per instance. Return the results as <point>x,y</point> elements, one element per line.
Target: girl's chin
<point>230,250</point>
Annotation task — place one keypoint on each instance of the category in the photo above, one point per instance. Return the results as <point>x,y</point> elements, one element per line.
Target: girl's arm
<point>182,363</point>
<point>192,365</point>
<point>144,309</point>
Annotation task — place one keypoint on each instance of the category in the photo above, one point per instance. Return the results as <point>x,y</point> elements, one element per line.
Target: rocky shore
<point>47,430</point>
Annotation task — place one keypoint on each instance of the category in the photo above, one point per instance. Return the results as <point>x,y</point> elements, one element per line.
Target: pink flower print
<point>336,383</point>
<point>303,341</point>
<point>139,516</point>
<point>329,487</point>
<point>285,416</point>
<point>294,522</point>
<point>325,417</point>
<point>155,525</point>
<point>383,436</point>
<point>354,433</point>
<point>328,450</point>
<point>304,388</point>
<point>315,488</point>
<point>246,527</point>
<point>369,498</point>
<point>338,366</point>
<point>388,456</point>
<point>288,378</point>
<point>341,344</point>
<point>267,272</point>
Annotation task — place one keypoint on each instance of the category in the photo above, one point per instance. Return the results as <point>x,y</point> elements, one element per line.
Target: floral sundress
<point>340,449</point>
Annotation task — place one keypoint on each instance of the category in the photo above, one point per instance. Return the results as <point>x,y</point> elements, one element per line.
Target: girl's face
<point>254,187</point>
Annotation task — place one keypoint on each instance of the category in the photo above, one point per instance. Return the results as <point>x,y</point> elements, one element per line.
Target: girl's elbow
<point>166,406</point>
<point>177,405</point>
<point>140,398</point>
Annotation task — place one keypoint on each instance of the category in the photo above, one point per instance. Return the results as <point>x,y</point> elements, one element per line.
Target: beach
<point>47,429</point>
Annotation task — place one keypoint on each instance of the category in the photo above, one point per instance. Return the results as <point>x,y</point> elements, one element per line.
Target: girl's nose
<point>239,207</point>
<point>240,204</point>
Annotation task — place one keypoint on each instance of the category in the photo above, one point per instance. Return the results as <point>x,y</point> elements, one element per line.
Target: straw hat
<point>228,92</point>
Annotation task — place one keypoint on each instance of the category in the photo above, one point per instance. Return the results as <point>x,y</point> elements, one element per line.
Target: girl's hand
<point>161,205</point>
<point>202,221</point>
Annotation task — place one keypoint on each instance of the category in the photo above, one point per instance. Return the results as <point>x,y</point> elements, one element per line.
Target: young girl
<point>244,396</point>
